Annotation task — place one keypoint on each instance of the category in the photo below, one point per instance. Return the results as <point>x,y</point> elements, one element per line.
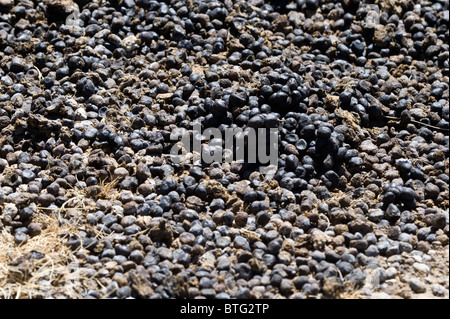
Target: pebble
<point>392,212</point>
<point>421,268</point>
<point>391,273</point>
<point>34,228</point>
<point>431,191</point>
<point>417,285</point>
<point>438,290</point>
<point>376,215</point>
<point>223,263</point>
<point>286,287</point>
<point>439,221</point>
<point>20,238</point>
